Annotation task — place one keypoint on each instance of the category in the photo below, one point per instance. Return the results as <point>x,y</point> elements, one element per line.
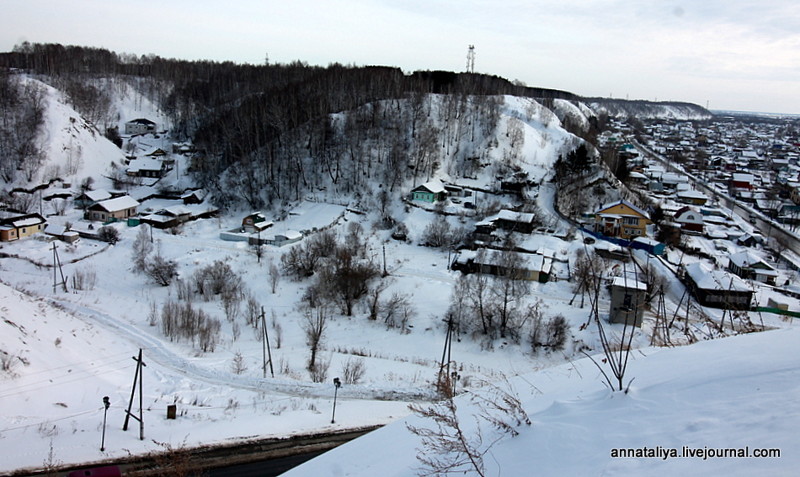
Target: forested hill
<point>272,132</point>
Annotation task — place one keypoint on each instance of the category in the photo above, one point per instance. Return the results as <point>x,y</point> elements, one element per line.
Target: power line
<point>50,383</point>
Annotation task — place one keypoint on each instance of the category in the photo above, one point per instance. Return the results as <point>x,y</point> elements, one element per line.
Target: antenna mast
<point>471,59</point>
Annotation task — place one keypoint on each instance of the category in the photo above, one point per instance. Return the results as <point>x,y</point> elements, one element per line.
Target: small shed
<point>627,301</point>
<point>61,233</point>
<point>255,222</point>
<point>649,245</point>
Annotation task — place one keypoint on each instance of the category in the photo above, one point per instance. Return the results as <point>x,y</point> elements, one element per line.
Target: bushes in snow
<point>108,234</point>
<point>161,270</point>
<point>183,321</point>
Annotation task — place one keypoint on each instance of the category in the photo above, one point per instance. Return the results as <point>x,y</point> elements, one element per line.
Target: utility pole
<point>444,366</point>
<point>57,265</point>
<point>138,375</point>
<point>265,346</point>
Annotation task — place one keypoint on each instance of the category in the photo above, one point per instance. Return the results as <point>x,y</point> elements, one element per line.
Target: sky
<point>731,54</point>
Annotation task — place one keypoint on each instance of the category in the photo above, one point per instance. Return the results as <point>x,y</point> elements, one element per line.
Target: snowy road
<point>155,350</point>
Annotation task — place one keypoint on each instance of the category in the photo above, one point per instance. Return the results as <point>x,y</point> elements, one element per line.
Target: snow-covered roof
<point>177,210</point>
<point>28,221</point>
<point>647,241</point>
<point>709,279</point>
<point>435,186</point>
<point>289,235</point>
<point>118,203</point>
<point>691,194</point>
<point>199,193</point>
<point>97,195</point>
<point>626,204</point>
<point>689,215</point>
<point>746,259</point>
<point>145,164</point>
<point>623,282</point>
<point>512,216</point>
<point>141,121</point>
<point>52,229</point>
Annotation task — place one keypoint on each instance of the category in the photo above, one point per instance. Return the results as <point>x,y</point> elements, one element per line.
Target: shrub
<point>108,234</point>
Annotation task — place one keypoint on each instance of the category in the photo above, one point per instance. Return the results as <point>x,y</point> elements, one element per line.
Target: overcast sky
<point>731,54</point>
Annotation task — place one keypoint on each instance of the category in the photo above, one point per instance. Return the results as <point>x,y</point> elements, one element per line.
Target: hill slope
<point>723,397</point>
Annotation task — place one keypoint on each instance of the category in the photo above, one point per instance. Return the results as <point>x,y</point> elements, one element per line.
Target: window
<point>626,301</point>
<point>630,220</point>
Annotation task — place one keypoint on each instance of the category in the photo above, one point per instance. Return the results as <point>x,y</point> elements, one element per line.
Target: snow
<point>707,278</point>
<point>68,350</point>
<point>118,203</point>
<point>734,393</point>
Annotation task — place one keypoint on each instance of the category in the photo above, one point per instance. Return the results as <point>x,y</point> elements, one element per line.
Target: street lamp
<point>106,403</point>
<point>337,384</point>
<point>455,377</point>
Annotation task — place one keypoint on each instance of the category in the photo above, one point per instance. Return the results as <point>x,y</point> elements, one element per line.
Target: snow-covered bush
<point>108,234</point>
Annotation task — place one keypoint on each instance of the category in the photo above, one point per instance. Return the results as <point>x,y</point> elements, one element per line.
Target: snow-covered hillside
<point>64,350</point>
<point>648,109</point>
<point>72,149</point>
<point>718,406</point>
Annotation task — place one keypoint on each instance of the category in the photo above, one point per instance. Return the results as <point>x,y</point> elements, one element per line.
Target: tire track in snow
<point>158,352</point>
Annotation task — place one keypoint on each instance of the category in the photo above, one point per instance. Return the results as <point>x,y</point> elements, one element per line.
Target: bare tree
<point>274,276</point>
<point>353,370</point>
<point>253,311</point>
<point>397,311</point>
<point>314,325</point>
<point>374,298</point>
<point>142,247</point>
<point>345,278</point>
<point>507,290</point>
<point>238,365</point>
<point>161,270</point>
<point>448,449</point>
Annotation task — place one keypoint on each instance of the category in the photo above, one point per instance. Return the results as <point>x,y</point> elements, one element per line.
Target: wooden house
<point>433,191</point>
<point>193,196</point>
<point>515,221</point>
<point>140,126</point>
<point>742,181</point>
<point>691,197</point>
<point>147,167</point>
<point>89,197</point>
<point>119,208</point>
<point>690,220</point>
<point>15,226</point>
<point>621,219</point>
<point>515,265</point>
<point>749,266</point>
<point>169,217</point>
<point>255,222</point>
<point>717,288</point>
